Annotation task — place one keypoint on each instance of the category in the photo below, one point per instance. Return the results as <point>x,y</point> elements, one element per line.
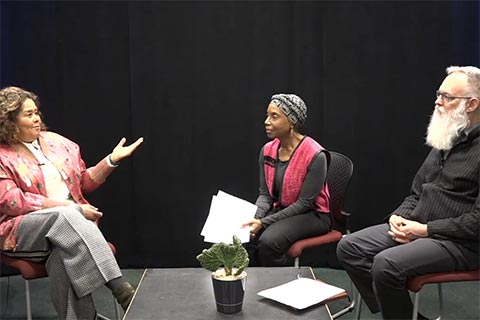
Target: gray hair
<point>473,75</point>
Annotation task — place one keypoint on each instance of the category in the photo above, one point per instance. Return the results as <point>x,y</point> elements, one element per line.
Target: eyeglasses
<point>448,98</point>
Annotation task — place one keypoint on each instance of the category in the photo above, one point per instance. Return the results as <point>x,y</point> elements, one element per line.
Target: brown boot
<point>124,294</point>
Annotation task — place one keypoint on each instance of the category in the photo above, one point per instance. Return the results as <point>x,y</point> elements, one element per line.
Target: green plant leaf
<point>227,255</point>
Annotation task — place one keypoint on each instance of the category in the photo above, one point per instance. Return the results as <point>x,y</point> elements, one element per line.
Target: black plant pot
<point>229,294</point>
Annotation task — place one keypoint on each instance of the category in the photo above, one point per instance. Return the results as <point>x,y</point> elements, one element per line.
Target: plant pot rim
<point>217,275</point>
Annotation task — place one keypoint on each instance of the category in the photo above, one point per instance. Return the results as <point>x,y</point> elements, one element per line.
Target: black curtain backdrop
<point>195,78</point>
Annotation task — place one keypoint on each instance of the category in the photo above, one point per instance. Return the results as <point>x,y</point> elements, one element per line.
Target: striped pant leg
<point>67,304</point>
<point>86,255</point>
<point>82,252</point>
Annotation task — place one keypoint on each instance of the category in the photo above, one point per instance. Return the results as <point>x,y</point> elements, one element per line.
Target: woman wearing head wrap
<point>43,213</point>
<point>294,201</point>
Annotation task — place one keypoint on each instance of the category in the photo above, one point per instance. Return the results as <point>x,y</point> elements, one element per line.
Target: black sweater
<point>445,192</point>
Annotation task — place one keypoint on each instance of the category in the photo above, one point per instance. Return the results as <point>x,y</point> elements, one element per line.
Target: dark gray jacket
<point>445,192</point>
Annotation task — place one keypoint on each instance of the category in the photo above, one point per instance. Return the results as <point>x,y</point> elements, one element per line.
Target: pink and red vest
<point>295,173</point>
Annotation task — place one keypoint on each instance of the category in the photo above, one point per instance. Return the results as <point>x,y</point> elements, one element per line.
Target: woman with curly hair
<point>43,213</point>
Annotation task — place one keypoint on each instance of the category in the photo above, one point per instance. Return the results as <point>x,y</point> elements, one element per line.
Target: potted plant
<point>227,262</point>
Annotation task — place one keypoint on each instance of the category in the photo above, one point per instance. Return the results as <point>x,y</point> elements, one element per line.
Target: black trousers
<point>380,267</point>
<point>270,246</point>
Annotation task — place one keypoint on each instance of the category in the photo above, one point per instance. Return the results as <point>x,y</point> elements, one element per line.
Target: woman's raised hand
<point>121,151</point>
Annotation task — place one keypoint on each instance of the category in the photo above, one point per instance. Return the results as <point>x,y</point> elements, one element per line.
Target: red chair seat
<point>28,269</point>
<point>32,270</point>
<point>296,249</point>
<point>415,284</point>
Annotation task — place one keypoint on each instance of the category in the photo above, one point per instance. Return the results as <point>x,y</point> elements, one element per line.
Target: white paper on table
<point>226,216</point>
<point>301,293</point>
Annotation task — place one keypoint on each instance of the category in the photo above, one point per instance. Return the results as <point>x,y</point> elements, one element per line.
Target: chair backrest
<point>339,174</point>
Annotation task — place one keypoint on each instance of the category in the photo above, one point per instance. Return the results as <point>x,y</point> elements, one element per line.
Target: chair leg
<point>359,305</point>
<point>355,301</point>
<point>29,306</point>
<point>297,262</point>
<point>440,301</point>
<point>415,305</point>
<point>27,298</point>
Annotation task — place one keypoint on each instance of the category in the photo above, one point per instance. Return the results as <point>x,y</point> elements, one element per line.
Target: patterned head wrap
<point>292,106</point>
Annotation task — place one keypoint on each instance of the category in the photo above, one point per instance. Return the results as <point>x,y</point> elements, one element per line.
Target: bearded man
<point>436,228</point>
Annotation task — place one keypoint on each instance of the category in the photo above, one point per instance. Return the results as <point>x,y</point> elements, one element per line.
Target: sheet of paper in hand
<point>226,216</point>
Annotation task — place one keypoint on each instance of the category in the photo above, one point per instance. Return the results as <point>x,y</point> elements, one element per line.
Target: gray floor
<point>13,305</point>
<point>462,300</point>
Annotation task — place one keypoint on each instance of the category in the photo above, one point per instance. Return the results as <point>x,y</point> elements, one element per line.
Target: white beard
<point>445,127</point>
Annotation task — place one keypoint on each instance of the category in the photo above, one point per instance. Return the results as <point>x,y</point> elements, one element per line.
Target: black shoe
<point>124,295</point>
